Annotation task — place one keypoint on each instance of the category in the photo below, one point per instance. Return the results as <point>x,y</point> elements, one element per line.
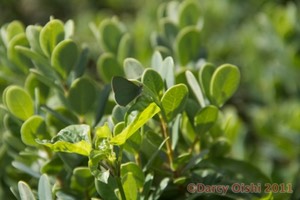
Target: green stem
<point>121,189</point>
<point>118,173</point>
<point>165,132</point>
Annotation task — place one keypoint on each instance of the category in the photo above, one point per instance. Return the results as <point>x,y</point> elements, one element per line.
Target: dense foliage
<point>139,102</point>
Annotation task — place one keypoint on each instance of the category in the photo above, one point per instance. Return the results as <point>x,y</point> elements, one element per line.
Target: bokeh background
<point>261,37</point>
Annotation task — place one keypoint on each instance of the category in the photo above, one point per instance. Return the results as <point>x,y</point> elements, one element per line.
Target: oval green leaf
<point>25,191</point>
<point>18,59</point>
<point>51,34</point>
<point>64,57</point>
<point>188,14</point>
<point>133,68</point>
<point>205,74</point>
<point>82,95</point>
<point>125,91</point>
<point>224,83</point>
<point>32,129</point>
<point>137,123</point>
<point>174,99</point>
<point>32,84</point>
<point>33,35</point>
<point>111,35</point>
<point>72,139</point>
<point>137,172</point>
<point>205,118</point>
<point>108,67</point>
<point>194,85</point>
<point>19,102</point>
<point>188,45</point>
<point>13,29</point>
<point>153,81</point>
<point>44,189</point>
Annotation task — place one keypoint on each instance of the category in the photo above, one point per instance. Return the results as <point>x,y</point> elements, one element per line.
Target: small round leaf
<point>82,95</point>
<point>32,129</point>
<point>224,83</point>
<point>64,57</point>
<point>188,45</point>
<point>19,102</point>
<point>108,67</point>
<point>51,34</point>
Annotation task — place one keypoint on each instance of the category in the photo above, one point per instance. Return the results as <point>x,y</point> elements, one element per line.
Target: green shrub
<point>127,128</point>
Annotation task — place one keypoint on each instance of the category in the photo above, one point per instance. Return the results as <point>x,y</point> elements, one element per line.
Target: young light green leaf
<point>153,81</point>
<point>72,139</point>
<point>137,172</point>
<point>34,128</point>
<point>133,68</point>
<point>19,102</point>
<point>173,101</point>
<point>103,131</point>
<point>205,118</point>
<point>205,73</point>
<point>51,34</point>
<point>44,189</point>
<point>111,35</point>
<point>11,30</point>
<point>224,83</point>
<point>192,81</point>
<point>130,186</point>
<point>137,123</point>
<point>25,191</point>
<point>64,57</point>
<point>103,154</point>
<point>188,45</point>
<point>82,95</point>
<point>108,67</point>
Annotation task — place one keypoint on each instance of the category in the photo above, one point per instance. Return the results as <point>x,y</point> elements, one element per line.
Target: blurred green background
<point>261,37</point>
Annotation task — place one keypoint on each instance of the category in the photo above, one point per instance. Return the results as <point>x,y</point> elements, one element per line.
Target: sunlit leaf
<point>34,128</point>
<point>133,68</point>
<point>224,83</point>
<point>137,123</point>
<point>72,139</point>
<point>19,102</point>
<point>25,191</point>
<point>174,99</point>
<point>44,189</point>
<point>51,34</point>
<point>136,171</point>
